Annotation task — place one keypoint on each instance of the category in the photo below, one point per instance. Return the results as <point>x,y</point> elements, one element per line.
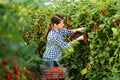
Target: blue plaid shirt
<point>55,42</point>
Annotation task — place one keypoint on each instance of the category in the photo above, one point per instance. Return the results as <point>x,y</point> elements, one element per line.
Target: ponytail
<point>48,29</point>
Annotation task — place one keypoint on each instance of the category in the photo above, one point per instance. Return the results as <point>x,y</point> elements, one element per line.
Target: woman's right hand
<point>80,29</point>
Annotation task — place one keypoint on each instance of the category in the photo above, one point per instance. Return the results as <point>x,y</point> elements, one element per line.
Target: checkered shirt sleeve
<point>65,31</point>
<point>60,42</point>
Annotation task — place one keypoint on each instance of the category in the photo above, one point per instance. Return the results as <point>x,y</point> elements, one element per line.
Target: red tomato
<point>4,62</point>
<point>8,76</point>
<point>103,12</point>
<point>85,37</point>
<point>95,26</point>
<point>68,19</point>
<point>117,22</point>
<point>16,70</point>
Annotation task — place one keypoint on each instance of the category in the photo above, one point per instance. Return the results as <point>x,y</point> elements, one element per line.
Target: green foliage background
<point>23,26</point>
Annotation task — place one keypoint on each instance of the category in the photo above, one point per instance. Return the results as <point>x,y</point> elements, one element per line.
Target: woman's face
<point>60,25</point>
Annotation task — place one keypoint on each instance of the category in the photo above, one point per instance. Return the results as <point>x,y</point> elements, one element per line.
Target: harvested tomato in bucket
<point>54,73</point>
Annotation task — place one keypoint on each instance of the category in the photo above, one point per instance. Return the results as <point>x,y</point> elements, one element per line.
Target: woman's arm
<point>77,39</point>
<point>77,30</point>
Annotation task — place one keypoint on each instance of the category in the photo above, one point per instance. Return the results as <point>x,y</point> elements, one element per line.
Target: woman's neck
<point>56,29</point>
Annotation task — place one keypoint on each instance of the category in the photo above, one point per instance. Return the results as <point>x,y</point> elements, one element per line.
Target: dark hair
<point>54,20</point>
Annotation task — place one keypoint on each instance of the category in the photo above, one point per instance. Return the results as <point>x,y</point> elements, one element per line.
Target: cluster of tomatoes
<point>117,22</point>
<point>8,75</point>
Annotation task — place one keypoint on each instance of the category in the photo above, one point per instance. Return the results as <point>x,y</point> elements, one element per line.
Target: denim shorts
<point>49,63</point>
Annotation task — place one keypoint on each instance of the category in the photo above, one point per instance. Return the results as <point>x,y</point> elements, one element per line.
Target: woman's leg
<point>56,64</point>
<point>48,63</point>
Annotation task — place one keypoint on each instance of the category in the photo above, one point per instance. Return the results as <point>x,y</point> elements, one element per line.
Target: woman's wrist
<point>74,41</point>
<point>78,30</point>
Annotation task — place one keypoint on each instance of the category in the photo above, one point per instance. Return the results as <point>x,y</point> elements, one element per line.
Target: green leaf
<point>115,31</point>
<point>83,71</point>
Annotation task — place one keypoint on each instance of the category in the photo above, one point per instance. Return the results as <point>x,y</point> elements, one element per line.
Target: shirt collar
<point>55,30</point>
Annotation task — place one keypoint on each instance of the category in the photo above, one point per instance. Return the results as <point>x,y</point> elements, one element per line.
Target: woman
<point>55,40</point>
